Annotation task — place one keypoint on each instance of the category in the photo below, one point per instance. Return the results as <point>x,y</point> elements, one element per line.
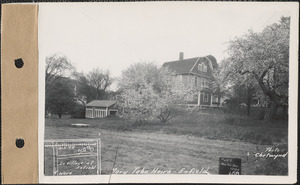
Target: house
<point>100,108</point>
<point>197,72</point>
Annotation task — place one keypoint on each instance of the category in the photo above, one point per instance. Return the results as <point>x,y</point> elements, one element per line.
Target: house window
<point>202,95</point>
<point>100,113</point>
<point>89,113</point>
<point>215,98</point>
<point>206,83</point>
<point>196,81</point>
<point>205,97</point>
<point>202,67</point>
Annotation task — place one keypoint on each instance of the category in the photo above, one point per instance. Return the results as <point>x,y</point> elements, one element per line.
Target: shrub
<point>78,111</point>
<point>229,119</point>
<point>261,114</point>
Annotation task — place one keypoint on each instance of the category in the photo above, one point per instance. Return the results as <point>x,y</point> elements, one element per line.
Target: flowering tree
<point>264,57</point>
<point>149,92</point>
<point>222,81</point>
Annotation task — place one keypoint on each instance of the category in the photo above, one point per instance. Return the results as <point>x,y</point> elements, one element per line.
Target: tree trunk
<point>248,110</point>
<point>271,112</point>
<point>267,115</point>
<point>59,115</point>
<point>162,119</point>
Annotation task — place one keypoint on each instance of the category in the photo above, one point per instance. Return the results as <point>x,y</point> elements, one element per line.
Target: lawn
<point>196,141</point>
<point>208,124</point>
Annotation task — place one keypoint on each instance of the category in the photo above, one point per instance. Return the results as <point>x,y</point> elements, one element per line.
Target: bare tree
<point>94,84</point>
<point>57,66</point>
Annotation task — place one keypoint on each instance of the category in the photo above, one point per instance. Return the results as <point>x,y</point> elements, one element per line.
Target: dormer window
<point>202,67</point>
<point>199,67</point>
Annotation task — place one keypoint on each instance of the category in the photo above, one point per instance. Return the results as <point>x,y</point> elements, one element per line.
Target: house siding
<point>190,80</point>
<point>185,80</point>
<point>205,94</point>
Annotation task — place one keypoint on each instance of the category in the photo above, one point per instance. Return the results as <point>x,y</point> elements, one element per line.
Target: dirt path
<point>166,152</point>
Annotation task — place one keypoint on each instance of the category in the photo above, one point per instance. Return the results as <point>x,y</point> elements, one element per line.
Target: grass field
<point>196,141</point>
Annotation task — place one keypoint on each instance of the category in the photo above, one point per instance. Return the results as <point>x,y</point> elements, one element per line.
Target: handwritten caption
<point>157,170</point>
<point>68,167</point>
<point>272,152</point>
<point>74,157</point>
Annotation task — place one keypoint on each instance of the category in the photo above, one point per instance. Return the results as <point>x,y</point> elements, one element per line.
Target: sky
<point>112,36</point>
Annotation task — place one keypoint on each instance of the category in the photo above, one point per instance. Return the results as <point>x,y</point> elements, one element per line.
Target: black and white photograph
<point>143,91</point>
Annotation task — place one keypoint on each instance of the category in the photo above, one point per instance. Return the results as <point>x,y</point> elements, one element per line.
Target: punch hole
<point>19,63</point>
<point>20,142</point>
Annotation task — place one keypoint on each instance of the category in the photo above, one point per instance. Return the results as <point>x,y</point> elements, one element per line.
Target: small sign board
<point>72,157</point>
<point>230,166</point>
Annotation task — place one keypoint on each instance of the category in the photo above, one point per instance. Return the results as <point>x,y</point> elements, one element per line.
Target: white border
<point>293,7</point>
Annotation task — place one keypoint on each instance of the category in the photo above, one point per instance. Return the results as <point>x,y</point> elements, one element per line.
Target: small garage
<point>100,109</point>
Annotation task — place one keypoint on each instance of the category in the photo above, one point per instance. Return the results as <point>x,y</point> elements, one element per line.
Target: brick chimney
<point>181,56</point>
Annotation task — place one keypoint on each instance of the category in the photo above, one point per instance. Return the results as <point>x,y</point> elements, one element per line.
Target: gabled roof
<point>187,66</point>
<point>213,61</point>
<point>181,66</point>
<point>101,103</point>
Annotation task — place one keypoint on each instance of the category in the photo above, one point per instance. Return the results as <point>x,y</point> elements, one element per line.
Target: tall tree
<point>57,66</point>
<point>222,80</point>
<point>264,56</point>
<point>61,98</point>
<point>94,84</point>
<point>149,92</point>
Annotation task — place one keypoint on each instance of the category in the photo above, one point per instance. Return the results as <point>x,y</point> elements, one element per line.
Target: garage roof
<point>101,103</point>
